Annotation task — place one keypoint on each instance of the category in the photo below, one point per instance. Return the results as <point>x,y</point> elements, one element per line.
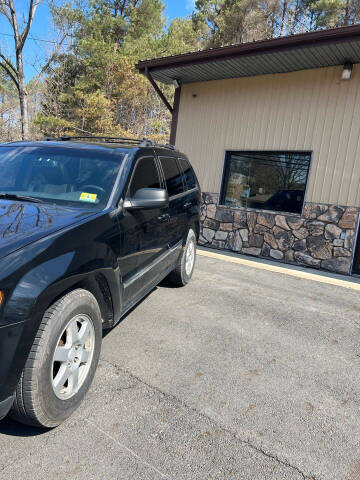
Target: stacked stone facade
<point>322,237</point>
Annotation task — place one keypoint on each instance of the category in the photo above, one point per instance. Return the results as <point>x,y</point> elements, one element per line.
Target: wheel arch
<point>97,284</point>
<point>94,282</point>
<point>195,225</point>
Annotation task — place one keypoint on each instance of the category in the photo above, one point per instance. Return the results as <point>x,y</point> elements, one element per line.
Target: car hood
<point>22,223</point>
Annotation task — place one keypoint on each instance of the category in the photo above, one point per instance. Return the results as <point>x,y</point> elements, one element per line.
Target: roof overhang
<point>323,48</point>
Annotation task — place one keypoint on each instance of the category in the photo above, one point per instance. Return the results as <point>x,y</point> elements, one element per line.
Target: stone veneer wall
<point>323,237</point>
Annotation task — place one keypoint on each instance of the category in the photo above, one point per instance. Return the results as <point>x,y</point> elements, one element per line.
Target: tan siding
<point>308,110</point>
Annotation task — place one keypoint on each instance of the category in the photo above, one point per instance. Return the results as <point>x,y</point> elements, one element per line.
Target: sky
<point>37,50</point>
<point>179,8</point>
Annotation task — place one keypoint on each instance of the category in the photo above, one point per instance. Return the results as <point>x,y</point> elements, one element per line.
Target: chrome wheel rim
<point>189,257</point>
<point>73,355</point>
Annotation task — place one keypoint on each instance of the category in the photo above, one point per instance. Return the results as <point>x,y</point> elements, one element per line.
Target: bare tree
<point>15,70</point>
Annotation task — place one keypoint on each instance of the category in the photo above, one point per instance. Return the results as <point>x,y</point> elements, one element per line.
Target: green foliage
<point>94,86</point>
<point>52,126</point>
<point>234,21</point>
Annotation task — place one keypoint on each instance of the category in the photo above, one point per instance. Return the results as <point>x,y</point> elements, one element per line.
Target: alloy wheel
<point>189,257</point>
<point>73,356</point>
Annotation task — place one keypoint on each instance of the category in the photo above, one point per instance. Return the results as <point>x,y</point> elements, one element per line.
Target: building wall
<point>322,237</point>
<point>311,110</point>
<point>308,110</point>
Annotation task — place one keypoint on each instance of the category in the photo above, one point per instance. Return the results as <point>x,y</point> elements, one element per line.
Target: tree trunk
<point>23,100</point>
<point>347,13</point>
<point>283,16</point>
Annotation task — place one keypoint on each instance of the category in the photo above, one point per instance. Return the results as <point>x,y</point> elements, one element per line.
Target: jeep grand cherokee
<point>88,226</point>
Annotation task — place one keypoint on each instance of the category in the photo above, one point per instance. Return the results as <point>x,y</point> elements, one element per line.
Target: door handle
<point>164,217</point>
<point>187,205</point>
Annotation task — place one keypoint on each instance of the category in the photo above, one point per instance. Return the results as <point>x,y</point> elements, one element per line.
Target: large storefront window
<point>266,180</point>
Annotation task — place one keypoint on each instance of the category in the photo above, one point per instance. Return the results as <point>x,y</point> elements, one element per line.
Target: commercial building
<point>272,129</point>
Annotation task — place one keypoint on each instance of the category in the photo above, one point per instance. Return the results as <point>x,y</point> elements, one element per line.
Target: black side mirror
<point>147,198</point>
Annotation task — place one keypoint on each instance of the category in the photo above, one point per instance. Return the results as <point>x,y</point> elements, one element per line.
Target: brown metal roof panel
<point>354,50</point>
<point>301,60</point>
<point>334,55</point>
<point>277,62</point>
<point>246,67</point>
<point>323,37</point>
<point>350,50</point>
<point>315,57</point>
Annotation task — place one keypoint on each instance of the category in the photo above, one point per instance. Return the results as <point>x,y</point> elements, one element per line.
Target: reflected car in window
<point>270,180</point>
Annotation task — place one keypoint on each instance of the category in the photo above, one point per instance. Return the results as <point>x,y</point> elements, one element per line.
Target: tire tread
<point>26,409</point>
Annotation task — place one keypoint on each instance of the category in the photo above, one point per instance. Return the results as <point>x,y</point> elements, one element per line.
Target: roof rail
<point>141,142</point>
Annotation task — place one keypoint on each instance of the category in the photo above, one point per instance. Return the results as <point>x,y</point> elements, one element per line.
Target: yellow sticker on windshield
<point>88,197</point>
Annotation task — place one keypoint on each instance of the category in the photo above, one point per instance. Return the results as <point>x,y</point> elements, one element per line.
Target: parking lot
<point>245,374</point>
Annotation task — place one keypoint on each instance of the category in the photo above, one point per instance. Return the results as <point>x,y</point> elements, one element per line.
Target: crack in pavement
<point>213,422</point>
<point>124,447</point>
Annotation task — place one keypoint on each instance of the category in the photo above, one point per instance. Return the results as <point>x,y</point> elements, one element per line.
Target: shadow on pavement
<point>14,429</point>
<point>108,330</point>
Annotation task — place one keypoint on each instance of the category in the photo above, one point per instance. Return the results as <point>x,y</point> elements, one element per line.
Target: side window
<point>173,177</point>
<point>188,173</point>
<point>145,176</point>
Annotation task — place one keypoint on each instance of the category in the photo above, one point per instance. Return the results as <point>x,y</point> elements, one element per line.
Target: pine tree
<point>95,88</point>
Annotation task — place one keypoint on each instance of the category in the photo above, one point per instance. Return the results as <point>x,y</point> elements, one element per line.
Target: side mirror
<point>147,198</point>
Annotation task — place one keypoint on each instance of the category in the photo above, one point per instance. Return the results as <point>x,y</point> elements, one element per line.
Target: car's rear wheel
<point>62,361</point>
<point>183,271</point>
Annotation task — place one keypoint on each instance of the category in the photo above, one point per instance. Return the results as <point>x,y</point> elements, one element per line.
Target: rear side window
<point>145,176</point>
<point>173,177</point>
<point>190,180</point>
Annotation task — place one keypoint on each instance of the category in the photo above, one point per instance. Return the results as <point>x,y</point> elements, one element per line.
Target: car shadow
<point>166,284</point>
<point>14,429</point>
<point>124,317</point>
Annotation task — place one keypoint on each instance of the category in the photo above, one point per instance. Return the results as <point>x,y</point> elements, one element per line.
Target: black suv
<point>88,226</point>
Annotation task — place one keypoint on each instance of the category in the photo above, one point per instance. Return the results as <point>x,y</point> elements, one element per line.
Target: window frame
<point>226,172</point>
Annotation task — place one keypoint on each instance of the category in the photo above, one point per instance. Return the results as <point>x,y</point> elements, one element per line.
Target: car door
<point>175,188</point>
<point>145,239</point>
<point>192,198</point>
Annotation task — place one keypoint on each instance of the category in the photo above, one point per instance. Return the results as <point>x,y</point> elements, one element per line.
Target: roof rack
<point>141,142</point>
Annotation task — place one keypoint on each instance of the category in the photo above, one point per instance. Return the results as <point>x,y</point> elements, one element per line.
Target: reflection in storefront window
<point>266,180</point>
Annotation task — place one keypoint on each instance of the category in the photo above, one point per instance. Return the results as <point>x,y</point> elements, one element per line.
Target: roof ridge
<point>325,33</point>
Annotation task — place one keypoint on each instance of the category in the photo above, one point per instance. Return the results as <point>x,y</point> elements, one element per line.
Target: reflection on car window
<point>145,176</point>
<point>190,181</point>
<point>173,178</point>
<point>61,175</point>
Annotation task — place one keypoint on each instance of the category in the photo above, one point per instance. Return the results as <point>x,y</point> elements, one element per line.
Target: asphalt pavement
<point>245,374</point>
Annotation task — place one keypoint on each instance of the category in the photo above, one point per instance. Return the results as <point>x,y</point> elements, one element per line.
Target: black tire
<point>35,402</point>
<point>179,277</point>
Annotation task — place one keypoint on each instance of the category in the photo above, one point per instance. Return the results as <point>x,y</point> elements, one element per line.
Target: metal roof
<point>322,48</point>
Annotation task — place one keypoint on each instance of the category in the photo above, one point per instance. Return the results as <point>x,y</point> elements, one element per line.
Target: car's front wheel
<point>62,361</point>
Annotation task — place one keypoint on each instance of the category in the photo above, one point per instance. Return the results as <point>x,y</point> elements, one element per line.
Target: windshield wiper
<point>13,196</point>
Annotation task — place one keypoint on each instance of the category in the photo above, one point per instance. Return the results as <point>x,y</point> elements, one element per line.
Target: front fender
<point>33,294</point>
<point>32,286</point>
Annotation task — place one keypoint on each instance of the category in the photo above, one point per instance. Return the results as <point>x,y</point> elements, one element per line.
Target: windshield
<point>59,174</point>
